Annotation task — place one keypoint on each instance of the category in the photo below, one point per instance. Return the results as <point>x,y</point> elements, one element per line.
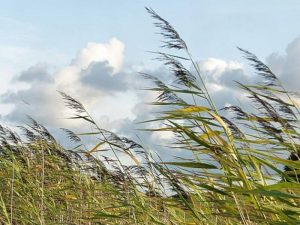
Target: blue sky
<point>212,28</point>
<point>94,50</point>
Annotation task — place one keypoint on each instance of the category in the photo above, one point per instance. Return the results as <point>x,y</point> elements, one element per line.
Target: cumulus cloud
<point>218,72</point>
<point>220,76</point>
<point>100,75</point>
<point>111,52</point>
<point>36,73</point>
<point>40,101</point>
<point>287,65</point>
<point>110,91</point>
<point>96,78</point>
<point>83,78</point>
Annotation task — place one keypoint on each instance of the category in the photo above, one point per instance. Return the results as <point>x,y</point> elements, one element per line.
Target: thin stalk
<point>42,185</point>
<point>12,189</point>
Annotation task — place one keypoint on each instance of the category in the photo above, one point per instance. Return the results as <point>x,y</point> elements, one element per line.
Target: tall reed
<point>244,169</point>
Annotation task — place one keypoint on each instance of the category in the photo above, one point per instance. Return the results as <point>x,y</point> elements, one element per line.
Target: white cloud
<point>287,66</point>
<point>43,100</point>
<point>111,52</point>
<point>97,78</point>
<point>219,73</point>
<point>216,67</point>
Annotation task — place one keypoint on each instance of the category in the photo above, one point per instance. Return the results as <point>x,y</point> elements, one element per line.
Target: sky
<point>94,51</point>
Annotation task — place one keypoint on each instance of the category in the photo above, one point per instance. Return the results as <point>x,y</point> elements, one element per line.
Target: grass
<point>244,170</point>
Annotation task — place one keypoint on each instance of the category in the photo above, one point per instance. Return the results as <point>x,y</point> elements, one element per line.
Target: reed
<point>244,170</point>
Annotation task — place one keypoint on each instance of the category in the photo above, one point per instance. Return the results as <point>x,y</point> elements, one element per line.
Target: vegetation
<point>244,170</point>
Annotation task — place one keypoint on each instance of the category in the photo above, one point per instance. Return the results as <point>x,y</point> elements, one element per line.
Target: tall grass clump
<point>244,167</point>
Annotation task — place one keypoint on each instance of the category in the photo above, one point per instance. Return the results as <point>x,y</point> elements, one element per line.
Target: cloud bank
<point>93,75</point>
<point>98,77</point>
<point>287,65</point>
